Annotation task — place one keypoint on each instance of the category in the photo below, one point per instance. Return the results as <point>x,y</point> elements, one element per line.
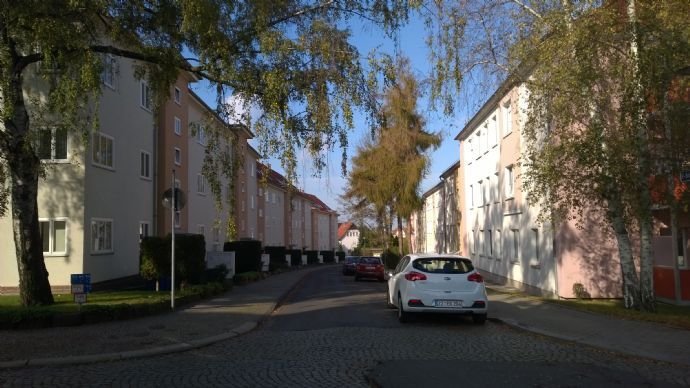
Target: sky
<point>331,184</point>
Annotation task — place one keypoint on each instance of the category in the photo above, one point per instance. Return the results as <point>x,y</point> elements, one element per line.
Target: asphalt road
<point>335,332</point>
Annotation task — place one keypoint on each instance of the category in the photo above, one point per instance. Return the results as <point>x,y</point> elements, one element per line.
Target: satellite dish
<point>180,199</point>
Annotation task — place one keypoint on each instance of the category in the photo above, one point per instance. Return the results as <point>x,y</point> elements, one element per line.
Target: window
<point>54,235</point>
<point>102,148</point>
<point>108,74</point>
<point>470,150</point>
<point>274,197</point>
<point>268,196</point>
<point>200,135</point>
<point>478,141</point>
<point>216,239</point>
<point>145,96</point>
<point>485,137</point>
<point>145,169</point>
<point>493,131</point>
<point>495,194</point>
<point>536,258</point>
<point>143,229</point>
<point>509,182</point>
<point>101,235</point>
<point>499,244</point>
<point>201,229</point>
<point>261,212</point>
<point>507,118</point>
<point>177,126</point>
<point>489,244</point>
<point>177,95</point>
<point>52,144</point>
<point>251,204</point>
<point>516,245</point>
<point>261,191</point>
<point>178,156</point>
<point>252,170</point>
<point>471,195</point>
<point>200,184</point>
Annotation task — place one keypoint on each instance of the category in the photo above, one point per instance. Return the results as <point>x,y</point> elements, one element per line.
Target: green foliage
<point>217,274</point>
<point>246,277</point>
<point>190,254</point>
<point>390,258</point>
<point>247,254</point>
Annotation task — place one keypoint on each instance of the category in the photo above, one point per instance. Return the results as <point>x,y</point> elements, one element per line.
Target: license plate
<point>448,303</point>
<point>369,268</point>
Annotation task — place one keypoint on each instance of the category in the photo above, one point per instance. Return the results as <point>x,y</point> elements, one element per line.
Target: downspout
<point>154,157</point>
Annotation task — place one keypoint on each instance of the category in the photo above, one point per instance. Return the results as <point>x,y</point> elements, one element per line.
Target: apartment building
<point>97,197</point>
<point>273,221</point>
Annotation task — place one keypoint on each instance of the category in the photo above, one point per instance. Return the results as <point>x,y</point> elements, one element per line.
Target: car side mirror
<point>387,274</point>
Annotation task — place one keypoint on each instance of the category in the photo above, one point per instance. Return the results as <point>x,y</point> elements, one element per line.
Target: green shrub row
<point>190,256</point>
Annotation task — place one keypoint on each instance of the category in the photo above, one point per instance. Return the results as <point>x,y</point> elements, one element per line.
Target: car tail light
<point>414,276</point>
<point>379,267</point>
<point>479,304</point>
<point>475,277</point>
<point>414,302</point>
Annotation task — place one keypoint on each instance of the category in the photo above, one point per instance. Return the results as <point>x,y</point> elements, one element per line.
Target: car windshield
<point>351,259</point>
<point>370,260</point>
<point>443,265</point>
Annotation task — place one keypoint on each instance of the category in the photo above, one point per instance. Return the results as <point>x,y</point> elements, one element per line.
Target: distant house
<point>348,236</point>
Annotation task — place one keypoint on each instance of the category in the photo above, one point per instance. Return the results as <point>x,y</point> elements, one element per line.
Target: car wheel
<point>388,300</point>
<point>403,316</point>
<point>479,319</point>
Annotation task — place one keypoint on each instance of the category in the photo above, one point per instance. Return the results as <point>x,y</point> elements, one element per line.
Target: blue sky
<point>331,184</point>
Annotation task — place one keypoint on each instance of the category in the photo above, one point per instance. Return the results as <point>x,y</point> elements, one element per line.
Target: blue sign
<point>83,279</point>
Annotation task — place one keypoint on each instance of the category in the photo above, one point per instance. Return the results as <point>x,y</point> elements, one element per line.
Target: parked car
<point>369,267</point>
<point>349,265</point>
<point>437,283</point>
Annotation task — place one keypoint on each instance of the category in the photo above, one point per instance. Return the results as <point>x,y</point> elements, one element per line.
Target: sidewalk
<point>636,338</point>
<point>236,312</point>
<point>243,308</point>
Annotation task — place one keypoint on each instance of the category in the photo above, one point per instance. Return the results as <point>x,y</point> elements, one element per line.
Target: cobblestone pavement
<point>337,357</point>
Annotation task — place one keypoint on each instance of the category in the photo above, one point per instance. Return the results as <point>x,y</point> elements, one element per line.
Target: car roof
<point>415,256</point>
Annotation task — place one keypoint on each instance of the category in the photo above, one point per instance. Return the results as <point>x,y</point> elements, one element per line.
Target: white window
<point>537,254</point>
<point>507,118</point>
<point>178,156</point>
<point>499,244</point>
<point>108,73</point>
<point>216,239</point>
<point>54,235</point>
<point>268,196</point>
<point>478,141</point>
<point>509,181</point>
<point>201,229</point>
<point>144,229</point>
<point>145,96</point>
<point>489,244</point>
<point>252,171</point>
<point>252,201</point>
<point>101,235</point>
<point>52,144</point>
<point>200,184</point>
<point>261,212</point>
<point>516,245</point>
<point>482,187</point>
<point>261,191</point>
<point>177,123</point>
<point>485,138</point>
<point>177,95</point>
<point>471,195</point>
<point>102,150</point>
<point>493,131</point>
<point>201,135</point>
<point>145,165</point>
<point>470,150</point>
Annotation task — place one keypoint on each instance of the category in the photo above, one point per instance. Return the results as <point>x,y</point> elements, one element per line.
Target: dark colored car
<point>369,267</point>
<point>349,265</point>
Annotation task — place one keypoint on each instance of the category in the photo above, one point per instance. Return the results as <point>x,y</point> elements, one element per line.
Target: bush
<point>246,277</point>
<point>390,259</point>
<point>277,258</point>
<point>190,256</point>
<point>216,274</point>
<point>247,254</point>
<point>341,256</point>
<point>312,257</point>
<point>328,256</point>
<point>295,257</point>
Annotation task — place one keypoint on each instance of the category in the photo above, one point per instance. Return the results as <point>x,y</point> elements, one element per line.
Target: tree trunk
<point>400,236</point>
<point>24,167</point>
<point>644,210</point>
<point>631,291</point>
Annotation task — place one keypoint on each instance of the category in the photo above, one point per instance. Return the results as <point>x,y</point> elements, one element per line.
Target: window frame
<point>53,145</point>
<point>177,126</point>
<point>145,164</point>
<point>51,236</point>
<point>509,181</point>
<point>200,184</point>
<point>109,138</point>
<point>177,156</point>
<point>507,117</point>
<point>145,96</point>
<point>177,96</point>
<point>96,222</point>
<point>109,65</point>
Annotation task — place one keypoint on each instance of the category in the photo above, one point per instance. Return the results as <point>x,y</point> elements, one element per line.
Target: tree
<point>291,58</point>
<point>388,172</point>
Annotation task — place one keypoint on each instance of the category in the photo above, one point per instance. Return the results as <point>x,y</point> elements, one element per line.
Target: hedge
<point>277,257</point>
<point>328,256</point>
<point>247,254</point>
<point>312,256</point>
<point>295,257</point>
<point>190,258</point>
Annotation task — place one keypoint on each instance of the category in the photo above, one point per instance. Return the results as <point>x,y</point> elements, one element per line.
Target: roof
<point>273,177</point>
<point>317,204</point>
<point>450,170</point>
<point>215,114</point>
<point>344,228</point>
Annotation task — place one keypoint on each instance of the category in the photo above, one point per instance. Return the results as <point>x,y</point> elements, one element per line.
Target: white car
<point>437,283</point>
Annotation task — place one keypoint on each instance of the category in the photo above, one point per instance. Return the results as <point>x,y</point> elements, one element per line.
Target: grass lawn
<point>64,303</point>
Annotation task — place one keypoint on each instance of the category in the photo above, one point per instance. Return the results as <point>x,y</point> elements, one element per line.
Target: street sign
<point>685,176</point>
<point>80,286</point>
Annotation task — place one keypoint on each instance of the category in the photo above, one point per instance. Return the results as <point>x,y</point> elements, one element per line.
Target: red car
<point>369,267</point>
